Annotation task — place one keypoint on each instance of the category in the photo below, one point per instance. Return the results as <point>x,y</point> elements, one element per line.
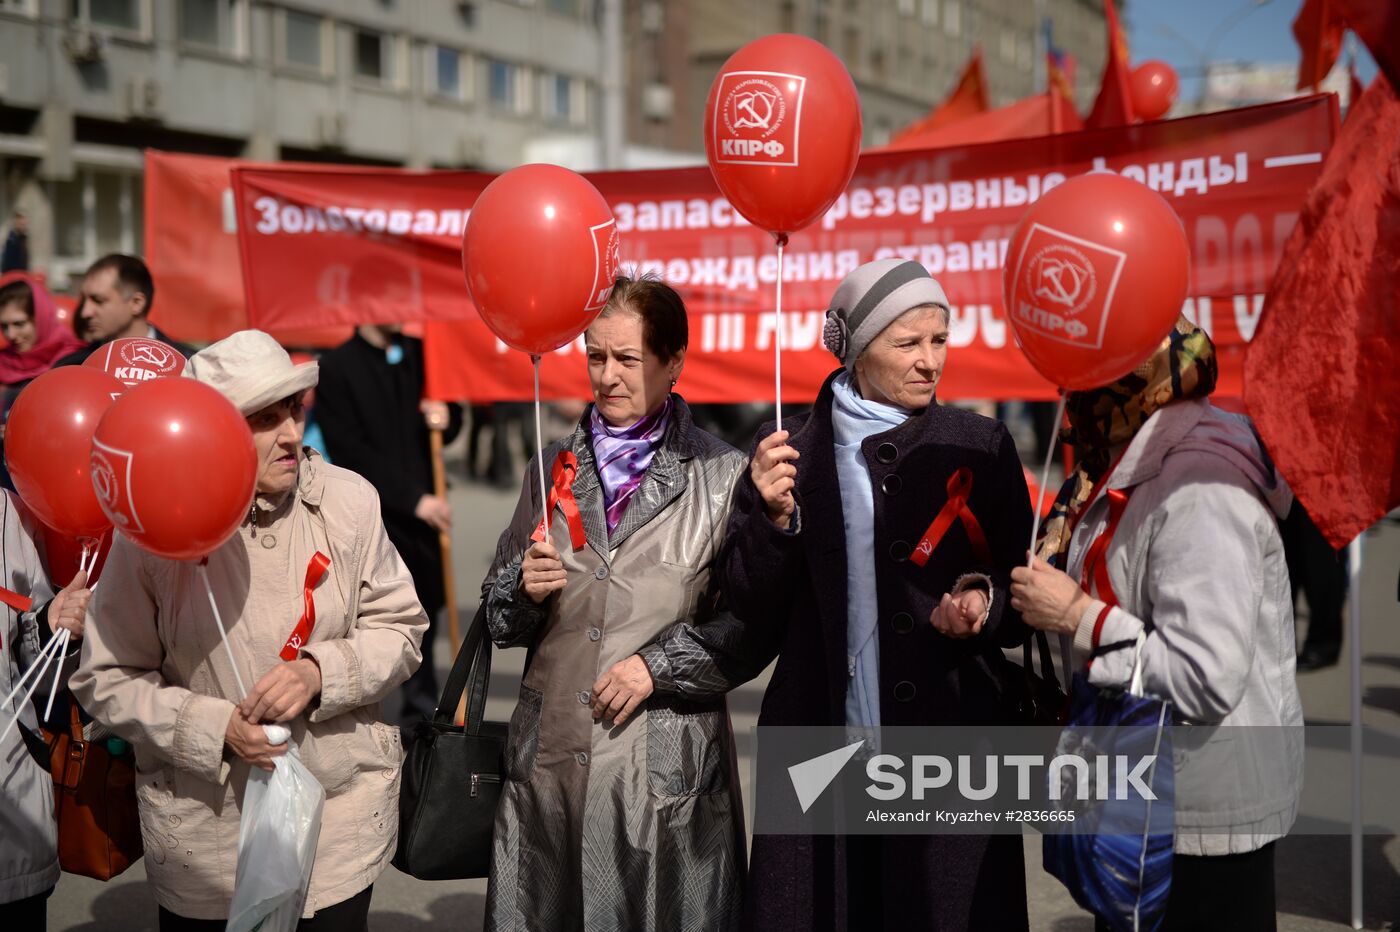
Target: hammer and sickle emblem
<point>758,106</point>
<point>1060,281</point>
<point>151,355</point>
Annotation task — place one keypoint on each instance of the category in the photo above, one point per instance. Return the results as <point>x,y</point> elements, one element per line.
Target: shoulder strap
<point>471,674</point>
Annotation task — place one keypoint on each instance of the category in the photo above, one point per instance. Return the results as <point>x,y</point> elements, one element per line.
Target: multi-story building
<point>905,55</point>
<point>86,85</point>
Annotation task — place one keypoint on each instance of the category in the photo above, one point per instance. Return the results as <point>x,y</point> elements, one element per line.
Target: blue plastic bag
<point>1123,873</point>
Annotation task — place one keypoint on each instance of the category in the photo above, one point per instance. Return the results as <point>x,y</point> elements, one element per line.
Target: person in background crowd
<point>117,297</point>
<point>36,340</point>
<point>153,670</point>
<point>28,836</point>
<point>29,323</point>
<point>370,407</point>
<point>621,807</point>
<point>1190,504</point>
<point>1321,574</point>
<point>817,565</point>
<point>16,254</point>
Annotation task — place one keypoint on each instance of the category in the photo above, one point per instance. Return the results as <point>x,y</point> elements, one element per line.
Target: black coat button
<point>899,551</point>
<point>891,484</point>
<point>902,622</point>
<point>904,691</point>
<point>887,453</point>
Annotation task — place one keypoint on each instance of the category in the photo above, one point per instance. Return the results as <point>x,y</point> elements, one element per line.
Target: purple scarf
<point>623,455</point>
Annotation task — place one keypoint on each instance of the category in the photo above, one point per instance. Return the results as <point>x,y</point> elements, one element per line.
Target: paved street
<point>1313,884</point>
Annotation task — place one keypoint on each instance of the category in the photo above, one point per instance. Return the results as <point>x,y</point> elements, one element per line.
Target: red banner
<point>342,245</point>
<point>192,250</point>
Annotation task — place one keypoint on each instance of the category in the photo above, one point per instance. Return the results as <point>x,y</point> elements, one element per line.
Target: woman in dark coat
<point>817,564</point>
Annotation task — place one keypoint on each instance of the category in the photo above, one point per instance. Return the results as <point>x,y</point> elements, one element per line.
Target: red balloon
<point>1154,87</point>
<point>48,440</point>
<point>174,467</point>
<point>540,253</point>
<point>1095,277</point>
<point>782,131</point>
<point>134,360</point>
<point>63,555</point>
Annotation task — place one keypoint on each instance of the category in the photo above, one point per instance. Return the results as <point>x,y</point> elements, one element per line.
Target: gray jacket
<point>28,835</point>
<point>1197,564</point>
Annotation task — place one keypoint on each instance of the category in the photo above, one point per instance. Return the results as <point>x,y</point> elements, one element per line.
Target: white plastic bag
<point>280,825</point>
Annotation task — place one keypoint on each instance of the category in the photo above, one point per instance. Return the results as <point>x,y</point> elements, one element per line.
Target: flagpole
<point>1354,609</point>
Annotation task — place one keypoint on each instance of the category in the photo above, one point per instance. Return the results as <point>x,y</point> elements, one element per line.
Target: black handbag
<point>1035,699</point>
<point>452,775</point>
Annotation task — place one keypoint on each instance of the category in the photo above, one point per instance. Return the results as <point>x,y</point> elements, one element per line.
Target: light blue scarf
<point>853,419</point>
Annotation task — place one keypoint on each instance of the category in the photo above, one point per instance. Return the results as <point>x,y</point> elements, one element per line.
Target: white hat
<point>252,370</point>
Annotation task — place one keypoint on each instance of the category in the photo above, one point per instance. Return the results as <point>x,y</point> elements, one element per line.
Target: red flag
<point>1318,29</point>
<point>1377,23</point>
<point>1321,380</point>
<point>1114,105</point>
<point>968,99</point>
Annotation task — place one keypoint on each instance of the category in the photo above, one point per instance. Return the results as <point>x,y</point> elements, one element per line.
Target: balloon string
<point>209,591</point>
<point>90,548</point>
<point>63,636</point>
<point>1045,479</point>
<point>539,452</point>
<point>778,335</point>
<point>41,663</point>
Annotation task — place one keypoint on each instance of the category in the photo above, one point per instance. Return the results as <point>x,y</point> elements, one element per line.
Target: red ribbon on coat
<point>959,490</point>
<point>20,603</point>
<point>315,572</point>
<point>562,494</point>
<point>1096,561</point>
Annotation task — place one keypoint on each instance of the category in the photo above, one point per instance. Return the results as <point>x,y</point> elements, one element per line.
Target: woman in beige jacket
<point>154,672</point>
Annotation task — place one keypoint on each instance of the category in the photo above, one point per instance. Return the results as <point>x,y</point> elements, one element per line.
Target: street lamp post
<point>1205,54</point>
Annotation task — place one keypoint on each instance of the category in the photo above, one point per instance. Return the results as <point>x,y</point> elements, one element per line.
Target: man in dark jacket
<point>369,406</point>
<point>117,296</point>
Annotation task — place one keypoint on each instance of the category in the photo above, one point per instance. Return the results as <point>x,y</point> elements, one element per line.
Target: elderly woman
<point>28,836</point>
<point>834,560</point>
<point>1171,520</point>
<point>153,670</point>
<point>621,808</point>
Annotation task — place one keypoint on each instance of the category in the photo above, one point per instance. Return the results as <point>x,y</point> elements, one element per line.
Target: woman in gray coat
<point>621,807</point>
<point>28,836</point>
<point>1170,522</point>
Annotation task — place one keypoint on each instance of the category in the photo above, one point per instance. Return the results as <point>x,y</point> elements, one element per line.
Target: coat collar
<point>664,482</point>
<point>1166,428</point>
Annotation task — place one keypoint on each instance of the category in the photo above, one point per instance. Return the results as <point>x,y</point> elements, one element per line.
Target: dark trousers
<point>27,915</point>
<point>350,915</point>
<point>419,693</point>
<point>1228,892</point>
<point>1321,573</point>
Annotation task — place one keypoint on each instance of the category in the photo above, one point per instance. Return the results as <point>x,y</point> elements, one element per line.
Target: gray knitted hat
<point>873,297</point>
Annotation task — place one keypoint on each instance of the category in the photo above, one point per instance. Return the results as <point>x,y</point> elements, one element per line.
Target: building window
<point>128,15</point>
<point>96,213</point>
<point>564,7</point>
<point>216,24</point>
<point>564,98</point>
<point>906,7</point>
<point>787,16</point>
<point>450,73</point>
<point>20,7</point>
<point>952,17</point>
<point>1008,45</point>
<point>507,86</point>
<point>305,42</point>
<point>930,12</point>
